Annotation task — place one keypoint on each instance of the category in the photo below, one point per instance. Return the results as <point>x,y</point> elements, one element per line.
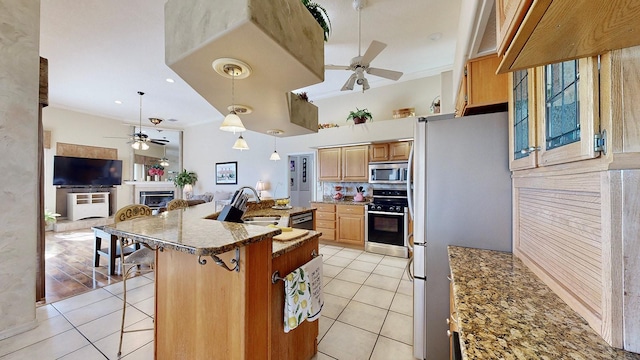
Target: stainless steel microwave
<point>388,173</point>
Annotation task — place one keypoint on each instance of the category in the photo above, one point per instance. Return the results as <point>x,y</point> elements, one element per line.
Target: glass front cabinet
<point>553,113</point>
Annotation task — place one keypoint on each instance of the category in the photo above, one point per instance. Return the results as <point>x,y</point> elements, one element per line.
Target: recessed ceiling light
<point>118,102</point>
<point>170,80</point>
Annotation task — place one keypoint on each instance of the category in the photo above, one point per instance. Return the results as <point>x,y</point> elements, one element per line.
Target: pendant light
<point>232,121</point>
<point>139,139</point>
<point>164,161</point>
<point>274,156</point>
<point>240,144</point>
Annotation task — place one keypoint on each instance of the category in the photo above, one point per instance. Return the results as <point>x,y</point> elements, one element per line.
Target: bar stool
<point>129,266</point>
<point>177,204</point>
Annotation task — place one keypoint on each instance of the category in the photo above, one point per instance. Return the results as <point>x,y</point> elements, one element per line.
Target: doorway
<point>301,175</point>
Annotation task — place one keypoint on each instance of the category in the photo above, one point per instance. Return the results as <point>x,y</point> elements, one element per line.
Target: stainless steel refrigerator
<point>461,195</point>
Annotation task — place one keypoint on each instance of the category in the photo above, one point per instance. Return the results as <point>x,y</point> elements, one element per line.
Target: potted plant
<point>185,178</point>
<point>360,116</point>
<point>321,16</point>
<point>50,218</point>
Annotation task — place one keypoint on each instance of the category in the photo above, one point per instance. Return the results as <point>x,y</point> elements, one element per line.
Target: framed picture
<point>227,173</point>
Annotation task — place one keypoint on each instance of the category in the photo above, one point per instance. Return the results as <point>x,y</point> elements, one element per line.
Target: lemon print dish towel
<point>303,294</point>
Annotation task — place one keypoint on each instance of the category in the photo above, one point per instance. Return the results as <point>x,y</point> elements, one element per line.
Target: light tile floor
<point>367,315</point>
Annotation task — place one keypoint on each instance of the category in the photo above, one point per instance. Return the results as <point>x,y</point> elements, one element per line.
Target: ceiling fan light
<point>136,145</point>
<point>274,156</point>
<point>144,146</point>
<point>240,144</point>
<point>164,161</point>
<point>232,123</point>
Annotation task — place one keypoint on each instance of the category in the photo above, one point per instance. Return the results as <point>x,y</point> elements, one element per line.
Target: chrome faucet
<point>241,190</point>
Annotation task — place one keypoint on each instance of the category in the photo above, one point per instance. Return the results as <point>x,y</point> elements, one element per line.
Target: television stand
<point>86,205</point>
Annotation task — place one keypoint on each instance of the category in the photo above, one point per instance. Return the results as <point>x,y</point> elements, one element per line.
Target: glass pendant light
<point>139,139</point>
<point>240,144</point>
<point>164,161</point>
<point>274,156</point>
<point>232,121</point>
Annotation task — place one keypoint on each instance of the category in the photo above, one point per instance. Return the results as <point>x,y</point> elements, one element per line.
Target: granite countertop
<point>505,311</point>
<point>194,230</point>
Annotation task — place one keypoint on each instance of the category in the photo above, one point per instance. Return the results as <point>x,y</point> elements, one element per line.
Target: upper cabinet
<point>481,88</point>
<point>393,151</point>
<point>534,33</point>
<point>348,163</point>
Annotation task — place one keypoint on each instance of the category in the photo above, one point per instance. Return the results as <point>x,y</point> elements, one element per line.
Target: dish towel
<point>303,294</point>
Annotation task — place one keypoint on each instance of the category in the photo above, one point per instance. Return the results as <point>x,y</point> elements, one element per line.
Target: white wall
<point>19,73</point>
<point>73,127</point>
<point>204,145</point>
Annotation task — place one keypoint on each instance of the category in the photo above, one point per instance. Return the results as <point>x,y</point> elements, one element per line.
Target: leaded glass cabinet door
<point>522,120</point>
<point>568,103</point>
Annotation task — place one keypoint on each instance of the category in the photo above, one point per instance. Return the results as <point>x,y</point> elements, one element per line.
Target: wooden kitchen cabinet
<point>509,15</point>
<point>378,152</point>
<point>325,220</point>
<point>393,151</point>
<point>481,87</point>
<point>355,163</point>
<point>350,163</point>
<point>330,164</point>
<point>546,32</point>
<point>452,320</point>
<point>351,224</point>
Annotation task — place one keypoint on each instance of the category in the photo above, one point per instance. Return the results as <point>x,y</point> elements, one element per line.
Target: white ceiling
<point>102,51</point>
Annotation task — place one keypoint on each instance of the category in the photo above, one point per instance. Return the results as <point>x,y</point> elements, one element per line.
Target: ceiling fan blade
<point>157,142</point>
<point>389,74</point>
<point>374,49</point>
<point>349,84</point>
<point>161,140</point>
<point>337,67</point>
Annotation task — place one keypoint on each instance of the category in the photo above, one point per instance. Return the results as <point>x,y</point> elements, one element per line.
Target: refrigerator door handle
<point>409,182</point>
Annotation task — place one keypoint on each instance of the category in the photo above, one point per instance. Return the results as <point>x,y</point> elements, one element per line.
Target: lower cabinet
<point>340,223</point>
<point>351,224</point>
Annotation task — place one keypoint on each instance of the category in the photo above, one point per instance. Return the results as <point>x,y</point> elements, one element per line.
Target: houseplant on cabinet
<point>360,116</point>
<point>185,181</point>
<point>321,16</point>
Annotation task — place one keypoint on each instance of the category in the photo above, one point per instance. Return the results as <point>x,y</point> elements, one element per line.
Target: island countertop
<point>506,312</point>
<point>194,230</point>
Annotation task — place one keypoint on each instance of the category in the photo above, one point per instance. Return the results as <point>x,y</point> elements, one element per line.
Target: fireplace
<point>156,199</point>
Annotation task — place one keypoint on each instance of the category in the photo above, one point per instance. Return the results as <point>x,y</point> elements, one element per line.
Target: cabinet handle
<point>449,333</point>
<point>453,318</point>
<point>448,321</point>
<point>530,149</point>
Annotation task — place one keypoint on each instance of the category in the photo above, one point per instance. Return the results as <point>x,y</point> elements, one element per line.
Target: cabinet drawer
<point>351,209</point>
<point>327,234</point>
<point>325,224</point>
<point>322,207</point>
<point>326,216</point>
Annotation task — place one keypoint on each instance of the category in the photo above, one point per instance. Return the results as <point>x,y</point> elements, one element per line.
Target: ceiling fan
<point>360,64</point>
<point>139,139</point>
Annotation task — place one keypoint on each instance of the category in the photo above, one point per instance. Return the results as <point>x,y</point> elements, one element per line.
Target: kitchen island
<point>214,295</point>
<point>504,311</point>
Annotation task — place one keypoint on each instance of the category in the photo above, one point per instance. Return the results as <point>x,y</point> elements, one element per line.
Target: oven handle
<point>386,213</point>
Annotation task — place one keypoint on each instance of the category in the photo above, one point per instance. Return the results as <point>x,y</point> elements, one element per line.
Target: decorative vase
<point>156,177</point>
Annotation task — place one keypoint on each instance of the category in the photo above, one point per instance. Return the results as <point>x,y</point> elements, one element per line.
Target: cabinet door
<point>355,160</point>
<point>509,15</point>
<point>378,152</point>
<point>484,87</point>
<point>523,144</point>
<point>568,106</point>
<point>399,150</point>
<point>330,164</point>
<point>351,229</point>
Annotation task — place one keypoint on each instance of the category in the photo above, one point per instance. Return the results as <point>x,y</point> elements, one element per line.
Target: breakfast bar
<point>214,296</point>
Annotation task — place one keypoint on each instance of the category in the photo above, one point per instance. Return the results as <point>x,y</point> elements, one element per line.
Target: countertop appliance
<point>461,195</point>
<point>388,172</point>
<point>386,223</point>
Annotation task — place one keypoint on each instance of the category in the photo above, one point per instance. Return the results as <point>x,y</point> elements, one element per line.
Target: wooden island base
<point>208,312</point>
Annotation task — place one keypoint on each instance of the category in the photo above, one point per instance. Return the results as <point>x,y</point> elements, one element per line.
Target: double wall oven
<point>387,223</point>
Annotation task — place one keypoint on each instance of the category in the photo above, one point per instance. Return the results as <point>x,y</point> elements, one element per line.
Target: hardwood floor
<point>69,267</point>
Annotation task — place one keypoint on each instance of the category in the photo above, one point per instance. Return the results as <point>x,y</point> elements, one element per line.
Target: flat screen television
<point>76,171</point>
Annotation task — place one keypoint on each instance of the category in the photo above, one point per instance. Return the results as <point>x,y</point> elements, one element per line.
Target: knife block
<point>231,213</point>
